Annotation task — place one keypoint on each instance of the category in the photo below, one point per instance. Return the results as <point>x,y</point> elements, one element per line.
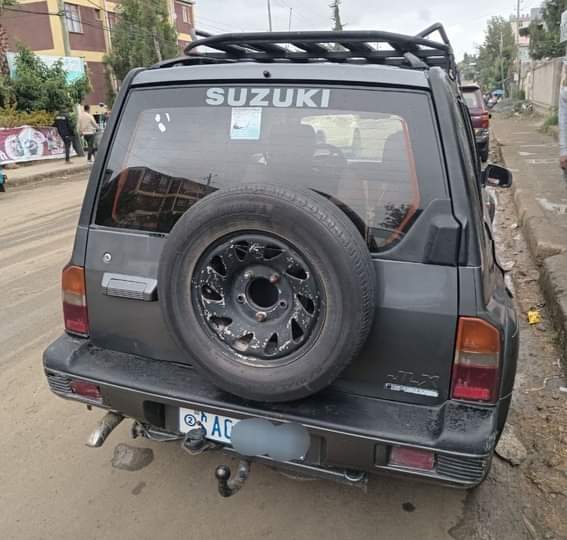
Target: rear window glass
<point>372,152</point>
<point>473,98</point>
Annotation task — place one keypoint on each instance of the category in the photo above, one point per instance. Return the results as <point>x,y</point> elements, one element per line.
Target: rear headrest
<point>292,134</point>
<point>288,141</point>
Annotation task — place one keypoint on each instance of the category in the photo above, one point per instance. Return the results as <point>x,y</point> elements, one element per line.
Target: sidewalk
<point>540,194</point>
<point>37,172</point>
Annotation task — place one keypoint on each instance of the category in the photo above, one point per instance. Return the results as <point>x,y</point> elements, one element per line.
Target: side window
<point>471,137</point>
<point>468,145</point>
<point>472,169</point>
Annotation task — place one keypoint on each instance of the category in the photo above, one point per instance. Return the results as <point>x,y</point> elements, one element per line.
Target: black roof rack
<point>353,46</point>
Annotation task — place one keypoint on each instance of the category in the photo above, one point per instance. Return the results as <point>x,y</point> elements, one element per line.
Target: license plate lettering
<point>218,428</point>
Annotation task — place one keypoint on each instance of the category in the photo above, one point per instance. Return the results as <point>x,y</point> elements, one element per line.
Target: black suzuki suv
<point>283,253</point>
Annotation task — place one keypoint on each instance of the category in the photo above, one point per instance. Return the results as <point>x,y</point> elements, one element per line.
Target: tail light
<point>485,120</point>
<point>413,458</point>
<point>476,368</point>
<point>86,389</point>
<point>75,300</point>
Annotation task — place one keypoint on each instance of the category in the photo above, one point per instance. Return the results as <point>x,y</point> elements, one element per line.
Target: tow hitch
<point>195,443</point>
<point>229,486</point>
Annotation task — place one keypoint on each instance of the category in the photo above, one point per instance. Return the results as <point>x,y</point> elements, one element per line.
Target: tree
<point>4,69</point>
<point>141,37</point>
<point>545,34</point>
<point>468,68</point>
<point>497,54</point>
<point>38,87</point>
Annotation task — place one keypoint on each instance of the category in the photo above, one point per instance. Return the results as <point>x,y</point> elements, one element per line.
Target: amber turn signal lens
<point>476,367</point>
<point>75,300</point>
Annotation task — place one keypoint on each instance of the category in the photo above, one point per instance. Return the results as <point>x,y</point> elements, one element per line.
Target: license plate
<point>219,428</point>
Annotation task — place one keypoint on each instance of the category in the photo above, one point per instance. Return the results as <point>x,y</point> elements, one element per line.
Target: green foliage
<point>544,38</point>
<point>7,97</point>
<point>110,93</point>
<point>551,119</point>
<point>141,37</point>
<point>497,54</point>
<point>37,87</point>
<point>10,117</point>
<point>469,68</point>
<point>7,3</point>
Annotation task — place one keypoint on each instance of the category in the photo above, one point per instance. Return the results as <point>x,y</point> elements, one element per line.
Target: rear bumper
<point>348,432</point>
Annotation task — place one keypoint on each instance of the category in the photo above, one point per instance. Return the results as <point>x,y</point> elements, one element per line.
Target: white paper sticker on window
<point>246,123</point>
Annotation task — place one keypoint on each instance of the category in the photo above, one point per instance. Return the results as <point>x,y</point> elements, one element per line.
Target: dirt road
<point>52,486</point>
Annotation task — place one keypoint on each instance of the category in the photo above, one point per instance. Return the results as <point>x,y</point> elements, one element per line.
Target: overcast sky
<point>464,20</point>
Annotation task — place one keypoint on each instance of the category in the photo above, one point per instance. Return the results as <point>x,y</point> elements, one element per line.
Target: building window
<point>111,20</point>
<point>185,14</point>
<point>97,15</point>
<point>73,18</point>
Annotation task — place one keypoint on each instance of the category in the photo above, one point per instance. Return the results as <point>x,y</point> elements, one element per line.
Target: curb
<point>47,175</point>
<point>553,279</point>
<point>549,250</point>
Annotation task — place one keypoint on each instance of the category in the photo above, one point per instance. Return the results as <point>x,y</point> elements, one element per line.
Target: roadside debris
<point>131,458</point>
<point>534,316</point>
<point>510,448</point>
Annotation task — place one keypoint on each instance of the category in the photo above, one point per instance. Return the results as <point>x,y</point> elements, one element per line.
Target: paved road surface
<point>52,486</point>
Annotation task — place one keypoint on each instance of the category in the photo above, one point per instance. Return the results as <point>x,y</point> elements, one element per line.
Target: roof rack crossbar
<point>312,48</point>
<point>267,47</point>
<point>357,46</point>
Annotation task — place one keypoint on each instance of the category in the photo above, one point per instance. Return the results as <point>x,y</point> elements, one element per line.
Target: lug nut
<point>274,278</point>
<point>248,275</point>
<point>261,316</point>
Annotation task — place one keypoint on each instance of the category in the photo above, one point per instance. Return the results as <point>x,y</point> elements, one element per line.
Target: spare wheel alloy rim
<point>259,296</point>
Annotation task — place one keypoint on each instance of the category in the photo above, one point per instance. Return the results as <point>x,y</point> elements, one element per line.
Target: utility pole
<point>66,45</point>
<point>290,16</point>
<point>502,62</point>
<point>269,15</point>
<point>518,46</point>
<point>336,18</point>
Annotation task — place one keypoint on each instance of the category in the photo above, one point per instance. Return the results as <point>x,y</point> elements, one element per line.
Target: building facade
<point>81,28</point>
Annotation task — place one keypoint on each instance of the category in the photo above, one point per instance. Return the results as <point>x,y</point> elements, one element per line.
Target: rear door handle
<point>131,287</point>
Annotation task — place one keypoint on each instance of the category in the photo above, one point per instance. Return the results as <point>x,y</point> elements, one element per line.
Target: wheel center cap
<point>263,293</point>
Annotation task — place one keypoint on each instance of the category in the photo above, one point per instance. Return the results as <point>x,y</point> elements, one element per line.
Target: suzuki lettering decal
<point>315,98</point>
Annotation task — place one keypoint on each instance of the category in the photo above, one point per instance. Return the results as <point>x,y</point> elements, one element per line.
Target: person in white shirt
<point>87,128</point>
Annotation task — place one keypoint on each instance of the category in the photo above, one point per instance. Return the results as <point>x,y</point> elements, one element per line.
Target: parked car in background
<point>480,118</point>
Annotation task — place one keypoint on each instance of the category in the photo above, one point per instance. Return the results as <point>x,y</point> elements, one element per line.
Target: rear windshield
<point>473,99</point>
<point>373,153</point>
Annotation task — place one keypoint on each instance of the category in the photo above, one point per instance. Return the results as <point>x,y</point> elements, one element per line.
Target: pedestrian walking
<point>87,129</point>
<point>563,121</point>
<point>65,130</point>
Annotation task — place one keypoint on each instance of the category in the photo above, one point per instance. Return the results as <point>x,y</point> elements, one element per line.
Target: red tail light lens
<point>485,120</point>
<point>476,368</point>
<point>75,301</point>
<point>413,458</point>
<point>86,389</point>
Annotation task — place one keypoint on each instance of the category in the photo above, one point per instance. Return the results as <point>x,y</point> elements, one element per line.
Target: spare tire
<point>270,291</point>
